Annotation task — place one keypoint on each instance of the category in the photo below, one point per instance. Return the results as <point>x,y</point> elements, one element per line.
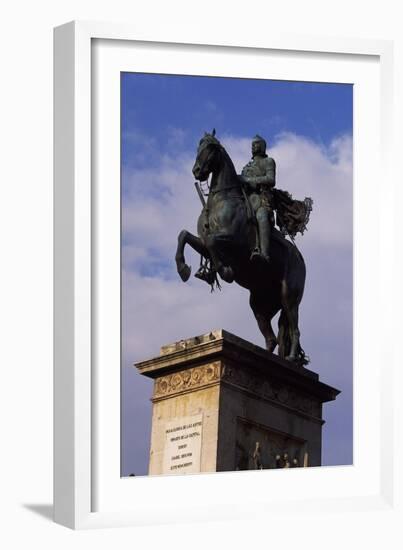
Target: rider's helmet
<point>259,145</point>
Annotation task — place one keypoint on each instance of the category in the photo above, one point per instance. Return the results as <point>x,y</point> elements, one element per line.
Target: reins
<point>215,191</point>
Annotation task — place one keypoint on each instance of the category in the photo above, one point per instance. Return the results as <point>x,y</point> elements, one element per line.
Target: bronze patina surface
<point>238,239</point>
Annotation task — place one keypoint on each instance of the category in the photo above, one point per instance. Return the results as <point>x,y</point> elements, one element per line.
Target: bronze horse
<point>227,235</point>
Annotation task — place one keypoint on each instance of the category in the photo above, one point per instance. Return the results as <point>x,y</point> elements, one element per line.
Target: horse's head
<point>207,156</point>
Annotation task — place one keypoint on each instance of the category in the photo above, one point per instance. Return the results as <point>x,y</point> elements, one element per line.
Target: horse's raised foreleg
<point>184,238</point>
<point>213,242</point>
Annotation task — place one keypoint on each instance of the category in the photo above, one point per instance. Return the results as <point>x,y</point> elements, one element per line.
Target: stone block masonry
<point>221,403</point>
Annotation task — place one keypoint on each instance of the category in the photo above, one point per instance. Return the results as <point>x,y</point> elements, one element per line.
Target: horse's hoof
<point>227,274</point>
<point>271,346</point>
<point>184,272</point>
<point>291,358</point>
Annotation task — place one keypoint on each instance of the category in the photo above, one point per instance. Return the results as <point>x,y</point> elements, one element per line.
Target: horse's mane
<point>210,138</point>
<point>226,155</point>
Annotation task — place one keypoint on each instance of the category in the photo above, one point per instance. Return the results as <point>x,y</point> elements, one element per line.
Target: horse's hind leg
<point>283,336</point>
<point>289,323</point>
<point>184,238</point>
<point>264,324</point>
<point>294,334</point>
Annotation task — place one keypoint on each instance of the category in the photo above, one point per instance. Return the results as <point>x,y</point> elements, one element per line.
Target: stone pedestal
<point>221,403</point>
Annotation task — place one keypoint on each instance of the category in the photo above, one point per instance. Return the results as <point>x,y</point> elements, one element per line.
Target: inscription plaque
<point>183,445</point>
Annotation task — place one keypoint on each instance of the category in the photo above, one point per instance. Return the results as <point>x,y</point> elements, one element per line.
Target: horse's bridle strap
<point>206,160</point>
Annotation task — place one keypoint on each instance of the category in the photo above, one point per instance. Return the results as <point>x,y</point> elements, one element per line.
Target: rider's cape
<point>292,216</point>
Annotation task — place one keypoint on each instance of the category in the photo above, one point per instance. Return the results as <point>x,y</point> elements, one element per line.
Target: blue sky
<point>308,127</point>
<point>158,104</point>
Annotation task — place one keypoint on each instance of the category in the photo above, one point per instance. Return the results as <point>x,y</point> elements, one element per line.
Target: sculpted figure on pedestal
<point>238,239</point>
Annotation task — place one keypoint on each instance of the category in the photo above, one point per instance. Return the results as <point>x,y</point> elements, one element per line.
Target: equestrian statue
<point>238,239</point>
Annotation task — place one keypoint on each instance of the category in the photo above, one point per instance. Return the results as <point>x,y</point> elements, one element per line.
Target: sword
<point>200,193</point>
<point>205,209</point>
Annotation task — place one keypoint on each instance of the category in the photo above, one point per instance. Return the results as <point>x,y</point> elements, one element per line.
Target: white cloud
<point>158,311</point>
<point>142,146</point>
<point>176,137</point>
<point>307,169</point>
<point>158,308</point>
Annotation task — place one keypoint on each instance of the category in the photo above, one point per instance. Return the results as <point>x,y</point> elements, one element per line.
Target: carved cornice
<point>222,347</point>
<point>263,387</point>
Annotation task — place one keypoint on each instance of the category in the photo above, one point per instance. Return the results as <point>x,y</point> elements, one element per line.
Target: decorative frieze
<point>189,379</point>
<point>269,389</point>
<point>197,377</point>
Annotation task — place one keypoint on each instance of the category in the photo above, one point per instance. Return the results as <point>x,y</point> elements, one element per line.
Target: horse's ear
<point>213,132</point>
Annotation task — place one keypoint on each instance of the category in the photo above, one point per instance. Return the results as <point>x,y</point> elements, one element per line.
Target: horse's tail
<point>297,250</point>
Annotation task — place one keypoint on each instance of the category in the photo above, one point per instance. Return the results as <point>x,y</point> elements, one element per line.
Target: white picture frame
<point>88,491</point>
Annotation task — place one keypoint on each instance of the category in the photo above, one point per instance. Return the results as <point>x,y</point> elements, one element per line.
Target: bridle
<point>207,159</point>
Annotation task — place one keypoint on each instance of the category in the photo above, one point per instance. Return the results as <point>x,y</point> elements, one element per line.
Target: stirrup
<point>206,275</point>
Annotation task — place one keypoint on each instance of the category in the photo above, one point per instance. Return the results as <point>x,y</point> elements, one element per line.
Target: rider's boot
<point>261,252</point>
<point>264,232</point>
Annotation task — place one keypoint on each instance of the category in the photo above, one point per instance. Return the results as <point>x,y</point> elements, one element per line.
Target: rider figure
<point>260,176</point>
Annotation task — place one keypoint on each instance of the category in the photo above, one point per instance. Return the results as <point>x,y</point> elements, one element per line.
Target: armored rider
<point>259,176</point>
